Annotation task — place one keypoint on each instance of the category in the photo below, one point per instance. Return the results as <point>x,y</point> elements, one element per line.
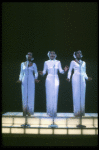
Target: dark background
<point>38,27</point>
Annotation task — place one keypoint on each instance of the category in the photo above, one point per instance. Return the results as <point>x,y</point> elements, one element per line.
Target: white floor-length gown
<point>28,86</point>
<point>52,85</point>
<point>78,86</point>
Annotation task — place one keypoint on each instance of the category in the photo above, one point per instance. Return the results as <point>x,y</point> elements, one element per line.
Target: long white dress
<point>78,86</point>
<point>28,86</point>
<point>52,85</point>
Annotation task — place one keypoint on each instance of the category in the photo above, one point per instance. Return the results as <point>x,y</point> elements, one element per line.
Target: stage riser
<point>39,124</point>
<point>50,131</point>
<point>60,122</point>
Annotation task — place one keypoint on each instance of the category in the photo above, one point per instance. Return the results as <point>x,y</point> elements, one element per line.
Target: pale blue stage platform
<point>39,124</point>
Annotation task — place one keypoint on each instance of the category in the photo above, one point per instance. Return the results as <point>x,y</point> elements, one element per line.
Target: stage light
<point>17,130</point>
<point>87,121</point>
<point>46,121</point>
<point>88,131</point>
<point>31,131</point>
<point>96,132</point>
<point>71,121</point>
<point>6,124</point>
<point>19,120</point>
<point>60,131</point>
<point>71,125</point>
<point>60,121</point>
<point>5,130</point>
<point>74,131</point>
<point>7,120</point>
<point>33,121</point>
<point>46,131</point>
<point>96,122</point>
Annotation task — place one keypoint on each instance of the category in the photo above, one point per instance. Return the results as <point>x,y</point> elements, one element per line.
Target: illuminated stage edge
<point>40,124</point>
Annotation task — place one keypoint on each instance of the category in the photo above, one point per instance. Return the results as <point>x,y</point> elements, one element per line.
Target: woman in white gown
<point>28,80</point>
<point>52,82</point>
<point>78,83</point>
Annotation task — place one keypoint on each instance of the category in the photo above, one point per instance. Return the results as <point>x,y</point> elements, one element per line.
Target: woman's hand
<point>37,81</point>
<point>40,72</point>
<point>18,81</point>
<point>66,68</point>
<point>68,80</point>
<point>89,78</point>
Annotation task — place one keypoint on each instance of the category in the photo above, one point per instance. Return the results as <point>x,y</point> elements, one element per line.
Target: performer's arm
<point>44,70</point>
<point>60,68</point>
<point>21,74</point>
<point>69,72</point>
<point>36,72</point>
<point>86,77</point>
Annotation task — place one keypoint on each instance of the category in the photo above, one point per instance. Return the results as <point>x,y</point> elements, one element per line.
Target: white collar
<point>79,61</point>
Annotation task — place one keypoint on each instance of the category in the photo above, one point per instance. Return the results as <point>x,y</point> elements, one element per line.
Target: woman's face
<point>29,56</point>
<point>52,55</point>
<point>78,55</point>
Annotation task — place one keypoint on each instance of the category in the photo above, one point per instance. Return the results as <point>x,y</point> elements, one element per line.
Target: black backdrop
<point>39,27</point>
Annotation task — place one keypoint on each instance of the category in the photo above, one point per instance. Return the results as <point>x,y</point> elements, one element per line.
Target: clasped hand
<point>66,68</point>
<point>40,72</point>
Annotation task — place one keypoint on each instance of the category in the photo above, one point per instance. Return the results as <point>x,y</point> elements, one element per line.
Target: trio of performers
<point>29,75</point>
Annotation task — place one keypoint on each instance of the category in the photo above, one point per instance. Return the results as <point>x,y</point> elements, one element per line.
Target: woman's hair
<point>75,53</point>
<point>29,52</point>
<point>27,56</point>
<point>48,54</point>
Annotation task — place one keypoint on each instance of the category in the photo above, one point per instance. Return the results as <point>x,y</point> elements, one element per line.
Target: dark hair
<point>29,52</point>
<point>52,51</point>
<point>77,51</point>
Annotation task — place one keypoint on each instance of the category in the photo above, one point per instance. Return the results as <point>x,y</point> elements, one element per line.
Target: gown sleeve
<point>21,72</point>
<point>35,71</point>
<point>86,77</point>
<point>70,70</point>
<point>45,68</point>
<point>60,68</point>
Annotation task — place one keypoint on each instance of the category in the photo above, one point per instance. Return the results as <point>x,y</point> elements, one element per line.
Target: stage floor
<point>43,114</point>
<point>40,124</point>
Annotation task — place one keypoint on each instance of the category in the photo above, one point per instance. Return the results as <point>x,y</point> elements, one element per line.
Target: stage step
<point>39,124</point>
